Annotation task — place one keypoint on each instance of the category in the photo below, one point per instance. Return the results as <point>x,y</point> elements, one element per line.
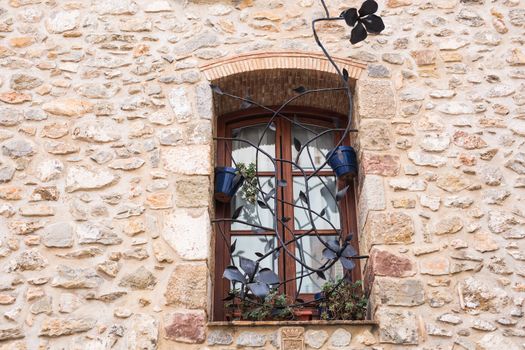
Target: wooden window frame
<point>252,116</point>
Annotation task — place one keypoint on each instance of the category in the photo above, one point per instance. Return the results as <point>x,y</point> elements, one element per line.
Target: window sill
<point>292,323</point>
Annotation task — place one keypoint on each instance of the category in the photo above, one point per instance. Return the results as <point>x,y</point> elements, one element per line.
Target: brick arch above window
<point>278,60</point>
<point>270,77</point>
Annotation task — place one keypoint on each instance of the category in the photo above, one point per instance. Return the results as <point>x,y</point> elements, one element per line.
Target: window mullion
<point>287,210</point>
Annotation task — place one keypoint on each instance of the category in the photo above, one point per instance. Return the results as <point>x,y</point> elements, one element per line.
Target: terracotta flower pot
<point>303,314</point>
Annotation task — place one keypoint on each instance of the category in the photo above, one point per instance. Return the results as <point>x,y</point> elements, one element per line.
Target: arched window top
<point>270,78</point>
<point>278,60</point>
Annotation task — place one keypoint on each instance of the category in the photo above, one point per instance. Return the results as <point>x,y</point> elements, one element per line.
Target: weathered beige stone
<point>435,266</point>
<point>424,57</point>
<point>68,107</point>
<point>139,279</point>
<point>468,141</point>
<point>187,286</point>
<point>485,243</point>
<point>56,327</point>
<point>144,332</point>
<point>188,232</point>
<point>389,228</point>
<point>452,182</point>
<point>10,193</point>
<point>406,203</point>
<point>81,178</point>
<point>188,160</point>
<point>192,191</point>
<point>398,292</point>
<point>159,200</point>
<point>376,99</point>
<point>55,130</point>
<point>375,136</point>
<point>9,332</point>
<point>447,225</point>
<point>399,3</point>
<point>398,326</point>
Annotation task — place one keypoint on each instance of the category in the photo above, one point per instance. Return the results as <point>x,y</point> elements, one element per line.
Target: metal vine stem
<point>259,282</point>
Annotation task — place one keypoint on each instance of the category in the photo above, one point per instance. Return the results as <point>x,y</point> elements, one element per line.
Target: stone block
<point>372,197</point>
<point>315,338</point>
<point>188,160</point>
<point>434,266</point>
<point>447,225</point>
<point>68,107</point>
<point>187,286</point>
<point>380,164</point>
<point>204,100</point>
<point>187,231</point>
<point>375,99</point>
<point>389,228</point>
<point>375,135</point>
<point>340,338</point>
<point>468,141</point>
<point>398,291</point>
<point>452,182</point>
<point>56,327</point>
<point>251,339</point>
<point>185,326</point>
<point>219,337</point>
<point>180,104</point>
<point>192,191</point>
<point>397,326</point>
<point>424,57</point>
<point>384,263</point>
<point>495,341</point>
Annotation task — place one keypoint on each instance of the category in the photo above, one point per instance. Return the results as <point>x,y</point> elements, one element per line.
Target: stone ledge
<point>296,335</point>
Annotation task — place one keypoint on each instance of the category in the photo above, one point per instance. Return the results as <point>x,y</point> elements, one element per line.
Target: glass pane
<point>314,155</point>
<point>252,213</point>
<point>322,192</point>
<point>310,250</point>
<point>247,246</point>
<point>245,153</point>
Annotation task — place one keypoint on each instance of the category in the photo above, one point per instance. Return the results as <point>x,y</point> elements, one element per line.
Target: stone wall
<point>106,136</point>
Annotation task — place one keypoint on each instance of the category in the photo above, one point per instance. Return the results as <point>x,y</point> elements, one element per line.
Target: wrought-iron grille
<point>289,199</point>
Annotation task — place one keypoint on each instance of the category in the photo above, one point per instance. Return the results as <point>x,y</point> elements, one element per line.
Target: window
<point>255,231</point>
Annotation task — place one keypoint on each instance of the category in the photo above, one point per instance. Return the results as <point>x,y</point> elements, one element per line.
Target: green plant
<point>274,306</point>
<point>249,188</point>
<point>343,301</point>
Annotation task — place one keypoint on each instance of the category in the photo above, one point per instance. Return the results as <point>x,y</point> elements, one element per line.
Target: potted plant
<point>272,307</point>
<point>249,187</point>
<point>257,298</point>
<point>343,161</point>
<point>227,182</point>
<point>343,300</point>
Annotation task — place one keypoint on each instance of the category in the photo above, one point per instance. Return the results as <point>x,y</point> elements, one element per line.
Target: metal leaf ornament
<point>259,281</point>
<point>343,253</point>
<point>363,21</point>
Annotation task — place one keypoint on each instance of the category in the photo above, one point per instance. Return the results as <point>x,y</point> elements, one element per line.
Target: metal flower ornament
<point>363,21</point>
<point>248,280</point>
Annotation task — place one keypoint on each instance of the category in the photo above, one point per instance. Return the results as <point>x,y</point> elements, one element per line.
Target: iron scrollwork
<point>257,283</point>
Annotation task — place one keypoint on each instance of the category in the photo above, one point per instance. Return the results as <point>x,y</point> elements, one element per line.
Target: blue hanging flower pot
<point>227,182</point>
<point>343,161</point>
